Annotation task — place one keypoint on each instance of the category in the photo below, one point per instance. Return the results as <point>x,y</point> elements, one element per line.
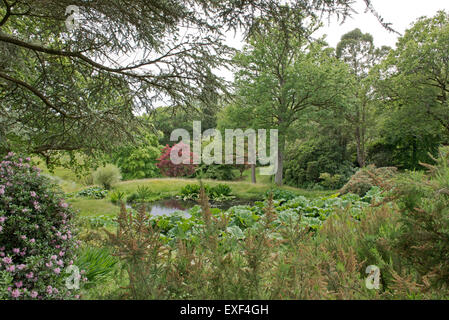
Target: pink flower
<point>53,257</point>
<point>61,253</point>
<point>32,240</point>
<point>33,294</point>
<point>19,284</point>
<point>57,270</point>
<point>33,194</point>
<point>49,290</point>
<point>16,250</point>
<point>7,260</point>
<point>63,205</point>
<point>11,268</point>
<point>21,266</point>
<point>49,264</point>
<point>2,219</point>
<point>15,293</point>
<point>30,275</point>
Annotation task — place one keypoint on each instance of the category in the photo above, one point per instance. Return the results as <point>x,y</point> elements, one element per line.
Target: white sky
<point>401,13</point>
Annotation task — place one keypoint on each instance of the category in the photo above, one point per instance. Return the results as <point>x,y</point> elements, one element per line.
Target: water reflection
<point>167,207</point>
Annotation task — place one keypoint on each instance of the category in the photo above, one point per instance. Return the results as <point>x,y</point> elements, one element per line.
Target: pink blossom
<point>16,250</point>
<point>19,284</point>
<point>30,275</point>
<point>33,194</point>
<point>57,270</point>
<point>15,293</point>
<point>49,264</point>
<point>7,260</point>
<point>33,294</point>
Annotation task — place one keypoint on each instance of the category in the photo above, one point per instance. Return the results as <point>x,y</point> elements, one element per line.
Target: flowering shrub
<point>36,241</point>
<point>169,169</point>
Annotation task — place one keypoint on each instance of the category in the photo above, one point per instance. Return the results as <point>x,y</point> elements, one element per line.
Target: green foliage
<point>362,181</point>
<point>424,204</point>
<point>305,163</point>
<point>280,194</point>
<point>92,193</point>
<point>97,263</point>
<point>138,161</point>
<point>220,192</point>
<point>332,182</point>
<point>143,194</point>
<point>107,176</point>
<point>216,172</point>
<point>117,196</point>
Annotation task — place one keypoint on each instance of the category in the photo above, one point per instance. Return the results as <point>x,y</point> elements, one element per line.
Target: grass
<point>169,187</point>
<point>166,187</point>
<point>94,207</point>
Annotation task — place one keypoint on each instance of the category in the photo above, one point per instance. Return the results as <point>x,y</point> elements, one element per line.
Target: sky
<point>401,13</point>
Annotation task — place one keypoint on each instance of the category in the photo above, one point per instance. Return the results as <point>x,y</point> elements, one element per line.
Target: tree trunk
<point>253,173</point>
<point>280,170</point>
<point>360,148</point>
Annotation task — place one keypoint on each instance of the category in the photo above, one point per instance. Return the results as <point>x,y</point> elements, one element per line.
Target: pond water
<point>167,207</point>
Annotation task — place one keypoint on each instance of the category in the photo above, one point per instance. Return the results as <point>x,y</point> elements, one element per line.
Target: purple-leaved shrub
<point>36,240</point>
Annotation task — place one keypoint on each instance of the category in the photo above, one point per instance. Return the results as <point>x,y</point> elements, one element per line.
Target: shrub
<point>424,204</point>
<point>220,192</point>
<point>36,236</point>
<point>107,176</point>
<point>169,169</point>
<point>98,264</point>
<point>117,196</point>
<point>279,194</point>
<point>331,182</point>
<point>361,182</point>
<point>93,193</point>
<point>217,172</point>
<point>139,161</point>
<point>143,194</point>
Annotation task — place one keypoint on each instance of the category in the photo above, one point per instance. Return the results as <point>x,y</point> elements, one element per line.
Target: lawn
<point>166,187</point>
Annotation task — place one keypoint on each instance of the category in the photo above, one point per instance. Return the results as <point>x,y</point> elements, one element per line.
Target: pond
<point>169,206</point>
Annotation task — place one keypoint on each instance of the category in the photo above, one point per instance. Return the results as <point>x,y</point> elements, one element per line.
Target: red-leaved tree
<point>170,169</point>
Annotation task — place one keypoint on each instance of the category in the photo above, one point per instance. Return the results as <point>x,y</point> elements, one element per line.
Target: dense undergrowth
<point>290,247</point>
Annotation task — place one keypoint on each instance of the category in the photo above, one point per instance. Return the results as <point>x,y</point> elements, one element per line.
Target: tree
<point>77,89</point>
<point>236,115</point>
<point>357,49</point>
<point>282,75</point>
<point>413,85</point>
<point>417,71</point>
<point>171,169</point>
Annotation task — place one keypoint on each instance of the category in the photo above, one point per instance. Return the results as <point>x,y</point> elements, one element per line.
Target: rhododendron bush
<point>36,240</point>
